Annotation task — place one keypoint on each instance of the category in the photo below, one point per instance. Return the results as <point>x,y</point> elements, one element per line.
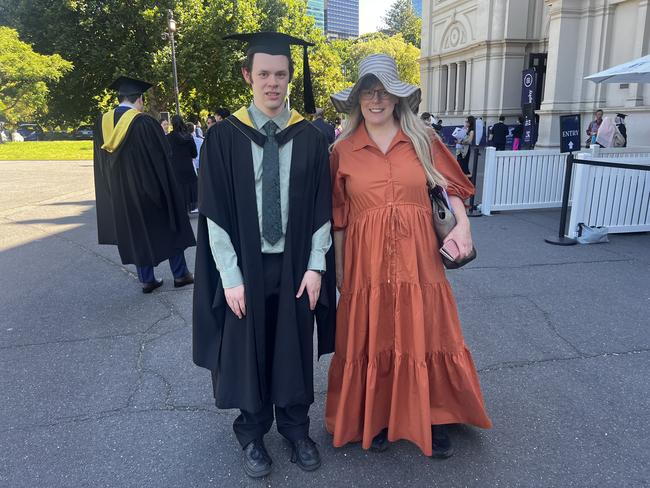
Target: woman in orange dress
<point>401,369</point>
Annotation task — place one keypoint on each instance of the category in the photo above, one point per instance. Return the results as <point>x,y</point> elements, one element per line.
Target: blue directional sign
<point>569,133</point>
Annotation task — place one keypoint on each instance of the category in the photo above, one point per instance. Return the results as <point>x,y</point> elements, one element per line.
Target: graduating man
<point>264,264</point>
<point>139,207</point>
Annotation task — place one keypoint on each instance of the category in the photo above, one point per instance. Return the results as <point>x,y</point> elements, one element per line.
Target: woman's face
<point>467,124</point>
<point>377,105</point>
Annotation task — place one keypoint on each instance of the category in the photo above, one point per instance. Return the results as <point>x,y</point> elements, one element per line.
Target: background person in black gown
<point>139,206</point>
<point>183,151</point>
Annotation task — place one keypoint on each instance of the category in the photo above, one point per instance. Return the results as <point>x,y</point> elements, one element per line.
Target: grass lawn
<point>46,150</point>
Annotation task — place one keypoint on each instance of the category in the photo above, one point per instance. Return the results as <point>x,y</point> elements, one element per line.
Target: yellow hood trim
<point>244,117</point>
<point>114,134</point>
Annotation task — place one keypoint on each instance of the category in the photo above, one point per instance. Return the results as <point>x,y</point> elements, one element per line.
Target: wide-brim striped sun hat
<point>385,69</point>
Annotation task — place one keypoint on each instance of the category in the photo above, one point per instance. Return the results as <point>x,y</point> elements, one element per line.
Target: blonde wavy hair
<point>420,134</point>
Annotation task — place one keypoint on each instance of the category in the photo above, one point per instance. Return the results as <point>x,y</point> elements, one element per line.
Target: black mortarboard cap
<point>621,115</point>
<point>129,86</point>
<point>277,43</point>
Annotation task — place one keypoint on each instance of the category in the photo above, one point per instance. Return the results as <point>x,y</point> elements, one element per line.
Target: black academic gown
<point>234,349</point>
<point>139,206</point>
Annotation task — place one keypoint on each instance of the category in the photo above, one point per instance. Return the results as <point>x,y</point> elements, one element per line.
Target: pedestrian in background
<point>438,127</point>
<point>592,128</point>
<point>325,127</point>
<point>338,128</point>
<point>463,145</point>
<point>198,131</point>
<point>198,142</point>
<point>222,114</point>
<point>620,125</point>
<point>518,134</point>
<point>138,202</point>
<point>499,134</point>
<point>401,369</point>
<point>183,151</point>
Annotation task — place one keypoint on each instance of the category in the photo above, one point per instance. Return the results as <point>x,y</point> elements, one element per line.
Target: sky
<point>370,14</point>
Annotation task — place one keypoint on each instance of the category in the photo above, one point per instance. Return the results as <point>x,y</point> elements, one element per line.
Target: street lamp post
<point>171,28</point>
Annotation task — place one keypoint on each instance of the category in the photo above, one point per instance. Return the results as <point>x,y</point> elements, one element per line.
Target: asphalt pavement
<point>99,389</point>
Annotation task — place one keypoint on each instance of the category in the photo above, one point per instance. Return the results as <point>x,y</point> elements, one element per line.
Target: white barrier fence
<point>616,198</point>
<point>521,180</point>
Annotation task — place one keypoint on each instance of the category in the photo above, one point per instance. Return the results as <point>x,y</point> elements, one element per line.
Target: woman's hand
<point>462,233</point>
<point>462,236</point>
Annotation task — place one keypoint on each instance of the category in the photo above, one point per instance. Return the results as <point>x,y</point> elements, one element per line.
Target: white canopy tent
<point>636,71</point>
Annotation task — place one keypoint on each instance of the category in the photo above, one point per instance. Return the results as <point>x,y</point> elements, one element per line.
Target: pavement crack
<point>551,326</point>
<point>118,412</point>
<point>524,364</point>
<point>541,265</point>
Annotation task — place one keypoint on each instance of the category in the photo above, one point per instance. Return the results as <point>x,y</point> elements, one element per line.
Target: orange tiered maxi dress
<point>400,360</point>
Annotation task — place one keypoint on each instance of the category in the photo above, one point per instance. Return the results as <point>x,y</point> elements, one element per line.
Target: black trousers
<point>293,420</point>
<point>464,162</point>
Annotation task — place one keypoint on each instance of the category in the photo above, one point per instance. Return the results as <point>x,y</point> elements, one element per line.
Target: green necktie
<point>271,210</point>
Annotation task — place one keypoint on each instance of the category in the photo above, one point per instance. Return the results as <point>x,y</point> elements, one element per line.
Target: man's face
<point>599,115</point>
<point>269,79</point>
<point>210,122</point>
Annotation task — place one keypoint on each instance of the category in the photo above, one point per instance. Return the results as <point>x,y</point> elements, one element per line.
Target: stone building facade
<point>474,51</point>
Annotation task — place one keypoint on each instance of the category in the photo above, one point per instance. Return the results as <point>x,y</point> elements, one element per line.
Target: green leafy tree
<point>24,77</point>
<point>405,54</point>
<point>401,18</point>
<point>108,38</point>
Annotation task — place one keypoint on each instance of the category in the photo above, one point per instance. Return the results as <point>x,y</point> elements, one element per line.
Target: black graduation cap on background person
<point>277,43</point>
<point>621,115</point>
<point>126,86</point>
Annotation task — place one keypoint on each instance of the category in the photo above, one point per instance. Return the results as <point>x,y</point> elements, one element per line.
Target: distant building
<point>417,6</point>
<point>473,54</point>
<point>316,9</point>
<point>342,19</point>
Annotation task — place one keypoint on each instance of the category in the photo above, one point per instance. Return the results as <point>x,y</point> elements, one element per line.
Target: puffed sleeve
<point>457,183</point>
<point>340,204</point>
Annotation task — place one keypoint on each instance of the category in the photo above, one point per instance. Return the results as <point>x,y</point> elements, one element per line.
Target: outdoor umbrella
<point>636,71</point>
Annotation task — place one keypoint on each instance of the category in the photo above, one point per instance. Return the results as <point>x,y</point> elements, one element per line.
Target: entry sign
<point>569,133</point>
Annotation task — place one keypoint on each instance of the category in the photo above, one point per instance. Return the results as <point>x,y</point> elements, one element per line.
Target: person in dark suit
<point>499,134</point>
<point>323,126</point>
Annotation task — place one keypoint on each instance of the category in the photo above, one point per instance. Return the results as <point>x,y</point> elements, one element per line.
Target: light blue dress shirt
<point>221,246</point>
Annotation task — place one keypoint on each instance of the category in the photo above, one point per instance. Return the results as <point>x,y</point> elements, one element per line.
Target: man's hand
<point>236,300</point>
<point>311,282</point>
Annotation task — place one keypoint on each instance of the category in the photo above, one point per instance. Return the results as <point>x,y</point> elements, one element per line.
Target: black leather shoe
<point>257,462</point>
<point>440,442</point>
<point>380,441</point>
<point>188,279</point>
<point>151,286</point>
<point>305,454</point>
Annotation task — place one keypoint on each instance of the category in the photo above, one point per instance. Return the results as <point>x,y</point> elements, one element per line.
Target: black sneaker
<point>305,454</point>
<point>257,462</point>
<point>380,441</point>
<point>440,442</point>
